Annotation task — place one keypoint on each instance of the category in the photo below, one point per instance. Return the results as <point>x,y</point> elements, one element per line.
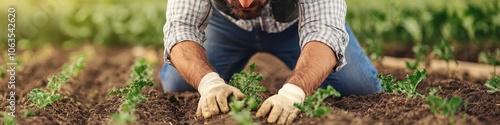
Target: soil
<point>86,102</point>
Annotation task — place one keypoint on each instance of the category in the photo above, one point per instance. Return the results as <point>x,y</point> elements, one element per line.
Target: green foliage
<point>248,83</point>
<point>40,98</point>
<point>7,119</point>
<point>409,87</point>
<point>434,90</point>
<point>490,58</point>
<point>3,69</point>
<point>122,118</point>
<point>313,105</point>
<point>239,113</point>
<point>445,52</point>
<point>374,50</point>
<point>140,76</point>
<point>493,84</point>
<point>425,20</point>
<point>444,106</point>
<point>420,51</point>
<point>28,113</point>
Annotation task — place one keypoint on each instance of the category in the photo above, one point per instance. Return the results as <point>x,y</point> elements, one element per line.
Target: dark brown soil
<point>85,100</point>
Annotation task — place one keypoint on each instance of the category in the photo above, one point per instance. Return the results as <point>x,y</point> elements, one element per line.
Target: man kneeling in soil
<point>206,41</point>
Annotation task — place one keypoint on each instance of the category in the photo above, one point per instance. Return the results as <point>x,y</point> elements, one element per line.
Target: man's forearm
<point>191,61</point>
<point>313,66</point>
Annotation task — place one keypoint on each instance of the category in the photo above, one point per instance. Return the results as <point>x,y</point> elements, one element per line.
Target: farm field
<point>85,101</point>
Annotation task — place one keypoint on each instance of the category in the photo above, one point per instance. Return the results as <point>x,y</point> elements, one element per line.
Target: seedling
<point>248,83</point>
<point>490,58</point>
<point>7,119</point>
<point>140,77</point>
<point>28,113</point>
<point>493,84</point>
<point>445,51</point>
<point>313,105</point>
<point>409,87</point>
<point>444,106</point>
<point>41,98</point>
<point>420,51</point>
<point>2,71</point>
<point>374,50</point>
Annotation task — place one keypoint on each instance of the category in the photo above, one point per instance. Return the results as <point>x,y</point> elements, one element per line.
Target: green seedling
<point>374,50</point>
<point>41,98</point>
<point>420,51</point>
<point>7,119</point>
<point>445,52</point>
<point>409,87</point>
<point>28,113</point>
<point>433,90</point>
<point>140,76</point>
<point>248,83</point>
<point>3,69</point>
<point>313,105</point>
<point>490,58</point>
<point>493,84</point>
<point>444,106</point>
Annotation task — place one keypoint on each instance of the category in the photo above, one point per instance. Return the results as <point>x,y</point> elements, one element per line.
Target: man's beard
<point>241,13</point>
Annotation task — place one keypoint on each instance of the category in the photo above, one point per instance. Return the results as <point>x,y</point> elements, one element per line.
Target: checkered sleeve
<point>186,20</point>
<point>324,21</point>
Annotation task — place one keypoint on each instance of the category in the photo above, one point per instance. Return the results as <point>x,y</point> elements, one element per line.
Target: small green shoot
<point>140,76</point>
<point>493,84</point>
<point>248,83</point>
<point>374,50</point>
<point>41,98</point>
<point>28,113</point>
<point>3,68</point>
<point>409,87</point>
<point>490,58</point>
<point>420,50</point>
<point>8,119</point>
<point>445,52</point>
<point>313,105</point>
<point>444,106</point>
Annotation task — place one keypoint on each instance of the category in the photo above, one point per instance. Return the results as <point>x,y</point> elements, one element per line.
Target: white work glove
<point>280,106</point>
<point>214,94</point>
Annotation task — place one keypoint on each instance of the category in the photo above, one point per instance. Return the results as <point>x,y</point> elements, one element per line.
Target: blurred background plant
<point>128,22</point>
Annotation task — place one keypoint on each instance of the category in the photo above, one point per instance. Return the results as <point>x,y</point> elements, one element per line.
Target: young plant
<point>409,87</point>
<point>41,98</point>
<point>7,119</point>
<point>140,76</point>
<point>493,84</point>
<point>374,50</point>
<point>248,83</point>
<point>313,105</point>
<point>2,71</point>
<point>445,52</point>
<point>444,106</point>
<point>420,50</point>
<point>490,58</point>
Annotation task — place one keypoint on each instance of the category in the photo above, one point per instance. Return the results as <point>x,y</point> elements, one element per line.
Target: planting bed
<point>85,99</point>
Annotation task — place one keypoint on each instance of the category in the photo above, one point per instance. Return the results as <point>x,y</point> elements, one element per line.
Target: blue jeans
<point>229,48</point>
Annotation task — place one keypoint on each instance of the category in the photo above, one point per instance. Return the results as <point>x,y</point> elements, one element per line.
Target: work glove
<point>214,95</point>
<point>280,106</point>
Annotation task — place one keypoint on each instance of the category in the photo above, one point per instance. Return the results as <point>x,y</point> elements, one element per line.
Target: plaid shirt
<point>319,20</point>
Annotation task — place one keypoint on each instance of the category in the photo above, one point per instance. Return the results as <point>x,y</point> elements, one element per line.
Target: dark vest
<point>283,10</point>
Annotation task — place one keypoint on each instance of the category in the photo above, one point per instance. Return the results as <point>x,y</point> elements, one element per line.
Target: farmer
<point>206,41</point>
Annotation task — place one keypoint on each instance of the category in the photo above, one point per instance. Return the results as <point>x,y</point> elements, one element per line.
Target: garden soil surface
<point>86,102</point>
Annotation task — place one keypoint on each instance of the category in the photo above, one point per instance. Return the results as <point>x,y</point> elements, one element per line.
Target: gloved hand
<point>214,94</point>
<point>280,106</point>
